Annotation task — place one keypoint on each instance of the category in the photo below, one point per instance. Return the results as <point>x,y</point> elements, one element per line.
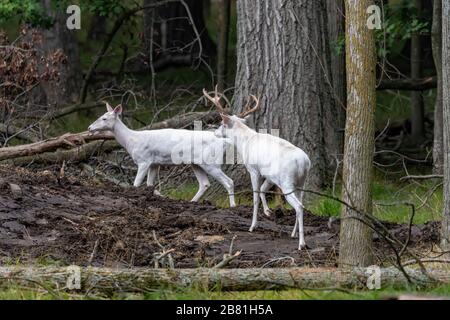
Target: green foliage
<point>399,22</point>
<point>27,11</point>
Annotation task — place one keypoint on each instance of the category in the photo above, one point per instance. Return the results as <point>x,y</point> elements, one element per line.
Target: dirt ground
<point>75,220</point>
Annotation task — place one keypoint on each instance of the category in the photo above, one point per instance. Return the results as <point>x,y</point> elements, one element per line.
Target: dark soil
<point>75,220</point>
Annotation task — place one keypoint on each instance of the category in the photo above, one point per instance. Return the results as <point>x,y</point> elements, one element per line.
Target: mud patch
<point>74,220</point>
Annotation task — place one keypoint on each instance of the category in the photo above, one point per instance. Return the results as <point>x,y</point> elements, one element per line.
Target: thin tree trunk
<point>417,105</point>
<point>336,32</point>
<point>445,229</point>
<point>436,42</point>
<point>355,236</point>
<point>283,56</point>
<point>222,42</point>
<point>97,29</point>
<point>59,37</point>
<point>174,39</point>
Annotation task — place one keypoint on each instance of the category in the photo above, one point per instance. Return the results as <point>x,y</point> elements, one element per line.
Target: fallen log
<point>84,143</point>
<point>106,280</point>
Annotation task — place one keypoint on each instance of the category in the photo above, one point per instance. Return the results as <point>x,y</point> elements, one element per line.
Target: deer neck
<point>123,135</point>
<point>243,136</point>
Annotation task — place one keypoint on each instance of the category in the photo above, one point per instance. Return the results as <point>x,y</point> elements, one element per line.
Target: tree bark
<point>283,56</point>
<point>436,42</point>
<point>417,105</point>
<point>60,37</point>
<point>222,43</point>
<point>356,236</point>
<point>109,281</point>
<point>445,228</point>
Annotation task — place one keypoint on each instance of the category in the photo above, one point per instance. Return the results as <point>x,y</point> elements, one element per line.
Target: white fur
<point>275,159</point>
<point>151,148</point>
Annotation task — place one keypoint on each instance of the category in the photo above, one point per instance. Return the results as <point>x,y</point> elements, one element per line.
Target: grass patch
<point>15,292</point>
<point>389,192</point>
<point>386,190</point>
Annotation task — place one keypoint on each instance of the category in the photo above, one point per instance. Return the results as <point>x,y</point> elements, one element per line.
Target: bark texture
<point>445,229</point>
<point>355,236</point>
<point>436,42</point>
<point>110,281</point>
<point>283,56</point>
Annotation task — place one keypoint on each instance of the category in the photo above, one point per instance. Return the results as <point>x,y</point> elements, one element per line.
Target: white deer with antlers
<point>150,149</point>
<point>267,157</point>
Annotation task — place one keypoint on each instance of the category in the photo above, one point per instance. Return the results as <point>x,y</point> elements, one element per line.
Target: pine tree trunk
<point>355,236</point>
<point>417,105</point>
<point>445,230</point>
<point>436,42</point>
<point>283,56</point>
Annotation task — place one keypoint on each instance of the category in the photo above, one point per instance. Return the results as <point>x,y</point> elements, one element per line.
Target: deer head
<point>229,121</point>
<point>107,121</point>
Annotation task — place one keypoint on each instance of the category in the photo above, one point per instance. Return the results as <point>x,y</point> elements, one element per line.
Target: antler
<point>215,100</point>
<point>247,109</point>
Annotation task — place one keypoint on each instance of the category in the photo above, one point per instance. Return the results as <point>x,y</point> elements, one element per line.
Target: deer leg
<point>256,187</point>
<point>141,173</point>
<point>299,196</point>
<point>203,182</point>
<point>264,188</point>
<point>298,206</point>
<point>223,179</point>
<point>151,177</point>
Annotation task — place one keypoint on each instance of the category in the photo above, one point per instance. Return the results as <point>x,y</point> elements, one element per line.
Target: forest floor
<point>47,217</point>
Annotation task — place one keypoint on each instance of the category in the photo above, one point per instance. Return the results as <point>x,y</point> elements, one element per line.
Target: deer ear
<point>108,107</point>
<point>118,110</point>
<point>226,119</point>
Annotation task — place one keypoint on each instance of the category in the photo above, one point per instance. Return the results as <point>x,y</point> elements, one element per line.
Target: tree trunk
<point>60,37</point>
<point>222,42</point>
<point>356,236</point>
<point>436,42</point>
<point>174,40</point>
<point>97,29</point>
<point>445,229</point>
<point>109,281</point>
<point>417,105</point>
<point>336,32</point>
<point>283,56</point>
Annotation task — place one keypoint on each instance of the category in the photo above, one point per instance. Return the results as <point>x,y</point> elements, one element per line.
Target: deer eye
<point>104,119</point>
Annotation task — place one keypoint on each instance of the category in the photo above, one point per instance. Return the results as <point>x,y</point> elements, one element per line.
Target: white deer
<point>267,157</point>
<point>151,148</point>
